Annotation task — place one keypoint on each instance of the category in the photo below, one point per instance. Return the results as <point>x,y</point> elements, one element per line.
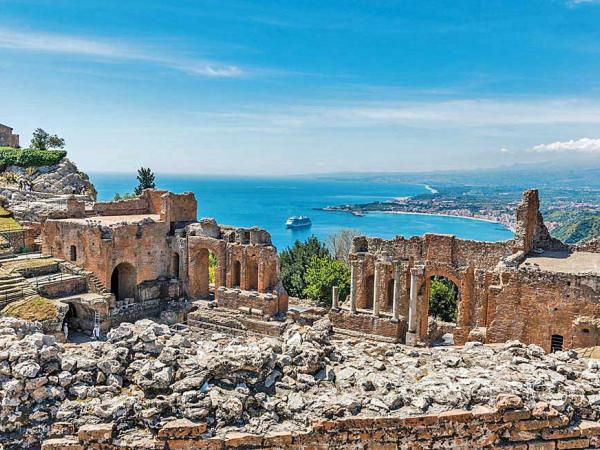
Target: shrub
<point>443,299</point>
<point>295,260</point>
<point>29,157</point>
<point>322,275</point>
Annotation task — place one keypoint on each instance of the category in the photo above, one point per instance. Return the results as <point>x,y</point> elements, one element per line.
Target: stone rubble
<point>51,187</point>
<point>146,375</point>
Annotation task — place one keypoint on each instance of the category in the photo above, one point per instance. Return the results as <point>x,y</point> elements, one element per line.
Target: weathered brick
<point>102,432</point>
<point>518,414</point>
<point>573,443</point>
<point>62,444</point>
<point>541,445</point>
<point>589,428</point>
<point>181,428</point>
<point>562,433</point>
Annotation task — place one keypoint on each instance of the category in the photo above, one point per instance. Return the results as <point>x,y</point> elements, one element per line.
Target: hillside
<point>579,230</point>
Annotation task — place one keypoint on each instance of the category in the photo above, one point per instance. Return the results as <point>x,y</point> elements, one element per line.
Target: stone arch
<point>424,294</point>
<point>123,281</point>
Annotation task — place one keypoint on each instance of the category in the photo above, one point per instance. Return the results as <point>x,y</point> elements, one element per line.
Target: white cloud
<point>111,50</point>
<point>583,145</point>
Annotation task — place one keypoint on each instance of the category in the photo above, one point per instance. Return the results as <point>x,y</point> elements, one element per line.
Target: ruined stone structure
<point>533,288</point>
<point>152,248</point>
<point>7,138</point>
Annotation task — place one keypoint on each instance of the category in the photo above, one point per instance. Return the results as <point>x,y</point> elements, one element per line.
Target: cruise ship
<point>298,222</point>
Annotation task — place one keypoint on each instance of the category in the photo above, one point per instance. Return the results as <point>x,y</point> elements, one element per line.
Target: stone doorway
<point>123,281</point>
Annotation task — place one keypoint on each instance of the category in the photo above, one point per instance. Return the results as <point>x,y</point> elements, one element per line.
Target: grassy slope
<point>36,309</point>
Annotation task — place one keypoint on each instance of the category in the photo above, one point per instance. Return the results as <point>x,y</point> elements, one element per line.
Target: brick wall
<point>506,426</point>
<point>368,324</point>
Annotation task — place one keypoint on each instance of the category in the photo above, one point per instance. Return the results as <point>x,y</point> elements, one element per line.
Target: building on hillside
<point>533,288</point>
<point>7,138</point>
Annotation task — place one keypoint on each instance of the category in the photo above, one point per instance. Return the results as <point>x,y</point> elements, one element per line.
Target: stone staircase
<point>13,286</point>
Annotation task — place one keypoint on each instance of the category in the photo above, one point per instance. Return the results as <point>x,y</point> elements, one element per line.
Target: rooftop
<point>565,262</point>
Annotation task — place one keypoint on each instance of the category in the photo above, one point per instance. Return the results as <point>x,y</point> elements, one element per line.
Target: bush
<point>294,262</point>
<point>30,158</point>
<point>322,275</point>
<point>443,298</point>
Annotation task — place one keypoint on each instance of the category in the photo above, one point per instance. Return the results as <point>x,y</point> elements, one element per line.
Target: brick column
<point>376,288</point>
<point>397,291</point>
<point>411,335</point>
<point>353,274</point>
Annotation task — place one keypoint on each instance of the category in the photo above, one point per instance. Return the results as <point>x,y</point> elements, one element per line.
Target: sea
<point>268,202</point>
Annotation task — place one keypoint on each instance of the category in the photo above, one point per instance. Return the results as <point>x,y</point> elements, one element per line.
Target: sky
<point>289,87</point>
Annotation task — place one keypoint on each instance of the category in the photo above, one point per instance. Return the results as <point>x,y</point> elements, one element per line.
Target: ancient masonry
<point>533,288</point>
<point>7,138</point>
<point>150,250</point>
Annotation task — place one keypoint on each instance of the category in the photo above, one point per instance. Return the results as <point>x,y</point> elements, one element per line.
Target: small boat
<point>358,213</point>
<point>298,222</point>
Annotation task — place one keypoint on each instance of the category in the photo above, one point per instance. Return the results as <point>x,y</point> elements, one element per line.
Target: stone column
<point>411,335</point>
<point>376,288</point>
<point>334,298</point>
<point>353,274</point>
<point>397,291</point>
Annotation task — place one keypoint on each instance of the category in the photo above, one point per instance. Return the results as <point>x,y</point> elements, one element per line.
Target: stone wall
<point>534,305</point>
<point>383,328</point>
<point>7,138</point>
<point>507,426</point>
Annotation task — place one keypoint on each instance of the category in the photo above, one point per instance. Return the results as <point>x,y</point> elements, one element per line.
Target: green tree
<point>145,179</point>
<point>212,267</point>
<point>294,262</point>
<point>42,140</point>
<point>322,275</point>
<point>443,298</point>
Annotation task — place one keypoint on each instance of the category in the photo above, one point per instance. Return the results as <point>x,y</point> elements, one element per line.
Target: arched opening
<point>556,343</point>
<point>444,297</point>
<point>369,291</point>
<point>73,253</point>
<point>252,274</point>
<point>175,265</point>
<point>237,272</point>
<point>123,281</point>
<point>390,294</point>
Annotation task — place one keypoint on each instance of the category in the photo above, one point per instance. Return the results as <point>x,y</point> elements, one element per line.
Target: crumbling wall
<point>534,305</point>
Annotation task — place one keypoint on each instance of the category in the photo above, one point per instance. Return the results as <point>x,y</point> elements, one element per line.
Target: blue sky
<point>284,87</point>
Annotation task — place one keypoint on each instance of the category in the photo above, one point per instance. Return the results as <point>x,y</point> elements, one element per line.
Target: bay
<point>268,202</point>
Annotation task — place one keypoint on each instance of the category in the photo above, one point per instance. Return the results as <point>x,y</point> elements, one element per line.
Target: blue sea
<point>268,202</point>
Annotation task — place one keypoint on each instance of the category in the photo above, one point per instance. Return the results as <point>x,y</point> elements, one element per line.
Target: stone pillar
<point>334,298</point>
<point>376,288</point>
<point>397,291</point>
<point>411,335</point>
<point>261,276</point>
<point>353,274</point>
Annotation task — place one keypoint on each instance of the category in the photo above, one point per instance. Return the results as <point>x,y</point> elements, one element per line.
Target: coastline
<point>481,219</point>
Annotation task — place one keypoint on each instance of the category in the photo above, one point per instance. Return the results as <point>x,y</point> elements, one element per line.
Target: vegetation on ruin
<point>322,275</point>
<point>212,267</point>
<point>146,180</point>
<point>126,196</point>
<point>294,262</point>
<point>34,309</point>
<point>32,263</point>
<point>27,157</point>
<point>7,222</point>
<point>42,140</point>
<point>443,299</point>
